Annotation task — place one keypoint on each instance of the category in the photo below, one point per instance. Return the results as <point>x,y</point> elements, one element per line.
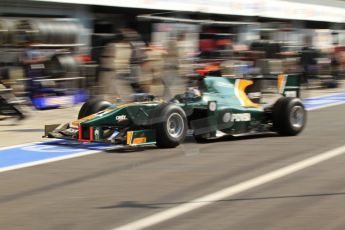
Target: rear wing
<point>289,85</point>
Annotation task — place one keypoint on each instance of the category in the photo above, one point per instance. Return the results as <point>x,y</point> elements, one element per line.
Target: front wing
<point>101,134</point>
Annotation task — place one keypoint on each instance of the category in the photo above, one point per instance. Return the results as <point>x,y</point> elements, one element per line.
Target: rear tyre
<point>170,123</point>
<point>92,106</point>
<point>289,116</point>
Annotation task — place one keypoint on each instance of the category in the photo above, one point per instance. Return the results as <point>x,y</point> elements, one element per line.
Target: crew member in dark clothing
<point>271,49</point>
<point>8,101</point>
<point>308,62</point>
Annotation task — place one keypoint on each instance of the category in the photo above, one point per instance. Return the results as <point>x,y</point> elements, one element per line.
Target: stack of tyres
<point>56,81</point>
<point>46,31</point>
<point>56,31</point>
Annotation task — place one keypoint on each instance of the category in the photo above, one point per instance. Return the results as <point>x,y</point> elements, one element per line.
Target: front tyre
<point>92,106</point>
<point>289,116</point>
<point>170,123</point>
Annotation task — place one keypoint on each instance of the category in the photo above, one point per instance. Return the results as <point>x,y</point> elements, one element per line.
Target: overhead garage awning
<point>261,8</point>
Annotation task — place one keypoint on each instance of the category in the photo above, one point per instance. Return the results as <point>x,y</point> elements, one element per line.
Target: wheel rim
<point>297,117</point>
<point>175,125</point>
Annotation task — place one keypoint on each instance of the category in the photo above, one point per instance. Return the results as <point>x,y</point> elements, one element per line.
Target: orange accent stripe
<point>281,83</point>
<point>242,85</point>
<point>139,140</point>
<point>91,133</point>
<point>212,68</point>
<point>79,133</point>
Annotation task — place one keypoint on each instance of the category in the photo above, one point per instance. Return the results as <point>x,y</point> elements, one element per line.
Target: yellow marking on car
<point>281,82</point>
<point>123,105</point>
<point>129,137</point>
<point>77,122</point>
<point>240,86</point>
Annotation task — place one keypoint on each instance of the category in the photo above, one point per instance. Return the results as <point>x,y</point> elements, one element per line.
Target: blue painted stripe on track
<point>45,150</point>
<point>319,102</point>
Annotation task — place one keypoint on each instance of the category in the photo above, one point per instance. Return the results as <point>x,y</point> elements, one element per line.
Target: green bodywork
<point>131,124</point>
<point>222,91</point>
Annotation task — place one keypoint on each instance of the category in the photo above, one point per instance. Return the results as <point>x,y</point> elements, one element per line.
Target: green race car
<point>217,106</point>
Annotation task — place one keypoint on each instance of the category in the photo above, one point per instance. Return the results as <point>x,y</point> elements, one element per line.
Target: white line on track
<point>230,191</point>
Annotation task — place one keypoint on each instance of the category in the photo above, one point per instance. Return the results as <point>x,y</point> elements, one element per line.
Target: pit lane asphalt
<point>113,188</point>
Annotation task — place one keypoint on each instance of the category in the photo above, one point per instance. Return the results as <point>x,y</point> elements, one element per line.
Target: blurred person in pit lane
<point>152,69</point>
<point>176,65</point>
<point>308,61</point>
<point>137,58</point>
<point>32,60</point>
<point>8,101</point>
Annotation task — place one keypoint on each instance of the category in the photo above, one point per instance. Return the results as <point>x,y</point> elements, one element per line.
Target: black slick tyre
<point>289,116</point>
<point>92,106</point>
<point>170,123</point>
